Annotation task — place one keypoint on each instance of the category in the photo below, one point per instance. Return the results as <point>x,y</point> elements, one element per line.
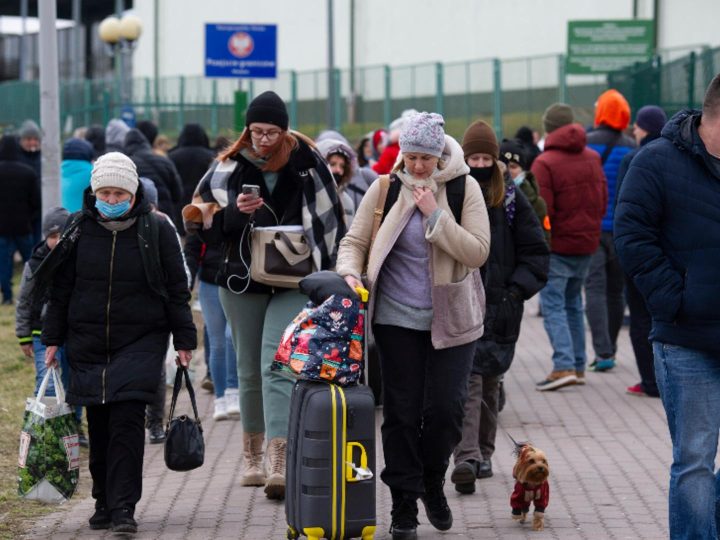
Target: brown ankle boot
<point>275,485</point>
<point>253,474</point>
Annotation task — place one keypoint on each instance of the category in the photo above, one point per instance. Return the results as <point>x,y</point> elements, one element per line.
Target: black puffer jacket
<point>158,169</point>
<point>192,157</point>
<point>19,190</point>
<point>516,269</point>
<point>114,327</point>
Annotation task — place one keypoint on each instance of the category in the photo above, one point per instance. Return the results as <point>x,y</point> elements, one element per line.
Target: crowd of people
<point>451,238</point>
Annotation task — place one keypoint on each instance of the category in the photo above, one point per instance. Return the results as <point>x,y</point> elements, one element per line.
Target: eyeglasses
<point>259,134</point>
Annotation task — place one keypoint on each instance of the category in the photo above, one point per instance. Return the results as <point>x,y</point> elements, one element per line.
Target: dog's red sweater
<point>523,495</point>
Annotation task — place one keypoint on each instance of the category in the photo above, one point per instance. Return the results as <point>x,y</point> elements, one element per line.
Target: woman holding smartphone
<point>270,176</point>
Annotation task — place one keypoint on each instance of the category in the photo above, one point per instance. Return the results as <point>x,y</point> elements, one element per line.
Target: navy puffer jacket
<point>667,234</point>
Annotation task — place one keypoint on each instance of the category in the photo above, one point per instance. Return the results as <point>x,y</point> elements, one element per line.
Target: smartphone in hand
<point>250,189</point>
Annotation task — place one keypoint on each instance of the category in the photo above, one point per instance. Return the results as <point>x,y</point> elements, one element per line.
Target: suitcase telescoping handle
<point>362,472</point>
<point>363,293</point>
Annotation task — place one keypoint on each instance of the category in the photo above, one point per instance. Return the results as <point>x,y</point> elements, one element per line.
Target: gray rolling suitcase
<point>330,480</point>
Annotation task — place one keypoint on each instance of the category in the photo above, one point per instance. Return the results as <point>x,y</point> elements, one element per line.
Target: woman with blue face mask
<point>119,290</point>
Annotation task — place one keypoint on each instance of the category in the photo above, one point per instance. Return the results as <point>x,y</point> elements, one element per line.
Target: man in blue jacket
<point>667,234</point>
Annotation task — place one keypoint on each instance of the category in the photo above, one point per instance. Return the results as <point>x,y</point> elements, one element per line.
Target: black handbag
<point>184,444</point>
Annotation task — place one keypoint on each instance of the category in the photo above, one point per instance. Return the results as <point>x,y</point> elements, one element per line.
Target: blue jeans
<point>689,384</point>
<point>562,308</point>
<point>8,246</point>
<point>40,370</point>
<point>223,363</point>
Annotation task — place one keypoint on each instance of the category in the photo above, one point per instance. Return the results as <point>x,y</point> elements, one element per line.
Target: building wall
<point>398,32</point>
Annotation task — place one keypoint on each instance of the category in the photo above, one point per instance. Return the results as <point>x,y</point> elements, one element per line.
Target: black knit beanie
<point>267,108</point>
<point>512,150</point>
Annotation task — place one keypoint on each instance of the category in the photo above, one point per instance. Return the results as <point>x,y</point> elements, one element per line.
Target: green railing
<point>506,93</point>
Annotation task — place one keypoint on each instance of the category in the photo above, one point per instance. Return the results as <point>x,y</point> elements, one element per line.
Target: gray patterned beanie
<point>423,133</point>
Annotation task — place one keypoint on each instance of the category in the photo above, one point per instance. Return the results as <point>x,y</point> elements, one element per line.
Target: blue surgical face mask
<point>519,179</point>
<point>112,211</point>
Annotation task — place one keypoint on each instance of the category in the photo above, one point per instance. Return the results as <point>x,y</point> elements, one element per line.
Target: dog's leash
<point>517,446</point>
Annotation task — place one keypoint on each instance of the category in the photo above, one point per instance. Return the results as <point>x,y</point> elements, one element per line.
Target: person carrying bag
<point>49,458</point>
<point>184,443</point>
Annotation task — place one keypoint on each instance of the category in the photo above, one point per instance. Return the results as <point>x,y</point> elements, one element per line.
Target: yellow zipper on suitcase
<point>334,390</point>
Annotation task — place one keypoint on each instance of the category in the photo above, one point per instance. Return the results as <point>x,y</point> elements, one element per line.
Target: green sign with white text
<point>605,46</point>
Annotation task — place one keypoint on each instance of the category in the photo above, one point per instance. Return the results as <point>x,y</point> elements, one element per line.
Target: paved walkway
<point>609,454</point>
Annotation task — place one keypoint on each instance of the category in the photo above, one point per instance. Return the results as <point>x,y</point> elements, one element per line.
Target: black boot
<point>123,522</point>
<point>157,434</point>
<point>404,516</point>
<point>101,518</point>
<point>436,506</point>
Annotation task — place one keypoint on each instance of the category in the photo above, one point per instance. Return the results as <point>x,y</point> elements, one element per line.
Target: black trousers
<point>156,409</point>
<point>640,325</point>
<point>424,391</point>
<point>117,446</point>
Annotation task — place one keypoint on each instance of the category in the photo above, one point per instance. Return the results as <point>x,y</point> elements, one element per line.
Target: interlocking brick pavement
<point>609,454</point>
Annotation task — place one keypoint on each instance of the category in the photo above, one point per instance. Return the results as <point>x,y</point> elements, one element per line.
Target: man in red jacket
<point>573,184</point>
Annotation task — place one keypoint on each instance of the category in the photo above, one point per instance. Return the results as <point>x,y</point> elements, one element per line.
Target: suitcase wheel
<point>292,534</point>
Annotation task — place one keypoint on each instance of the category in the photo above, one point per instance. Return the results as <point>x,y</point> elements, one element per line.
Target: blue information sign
<point>241,50</point>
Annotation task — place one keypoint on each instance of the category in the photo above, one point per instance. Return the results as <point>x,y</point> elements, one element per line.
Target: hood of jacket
<point>328,147</point>
<point>115,132</point>
<point>9,148</point>
<point>570,138</point>
<point>612,110</point>
<point>331,134</point>
<point>193,135</point>
<point>95,135</point>
<point>682,131</point>
<point>136,142</point>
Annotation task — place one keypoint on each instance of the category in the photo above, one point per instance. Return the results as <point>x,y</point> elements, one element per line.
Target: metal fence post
<point>387,105</point>
<point>691,79</point>
<point>293,99</point>
<point>337,108</point>
<point>146,105</point>
<point>87,100</point>
<point>466,101</point>
<point>439,89</point>
<point>214,109</point>
<point>497,98</point>
<point>707,64</point>
<point>181,109</point>
<point>562,82</point>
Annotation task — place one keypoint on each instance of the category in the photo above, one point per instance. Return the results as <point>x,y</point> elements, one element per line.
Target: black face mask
<point>338,178</point>
<point>482,174</point>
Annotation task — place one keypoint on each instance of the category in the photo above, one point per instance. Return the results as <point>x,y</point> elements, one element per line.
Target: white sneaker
<point>232,403</point>
<point>221,412</point>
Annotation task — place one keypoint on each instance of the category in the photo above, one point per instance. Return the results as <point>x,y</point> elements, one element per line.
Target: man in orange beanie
<point>604,285</point>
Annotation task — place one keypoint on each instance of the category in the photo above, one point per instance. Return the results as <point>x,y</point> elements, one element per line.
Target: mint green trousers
<point>257,322</point>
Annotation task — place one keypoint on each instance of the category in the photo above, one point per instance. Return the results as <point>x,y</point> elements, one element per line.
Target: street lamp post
<point>120,37</point>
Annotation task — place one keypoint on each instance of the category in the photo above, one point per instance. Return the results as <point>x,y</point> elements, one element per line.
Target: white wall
<point>398,32</point>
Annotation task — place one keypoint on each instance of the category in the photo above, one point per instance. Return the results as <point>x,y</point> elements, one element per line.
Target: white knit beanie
<point>114,169</point>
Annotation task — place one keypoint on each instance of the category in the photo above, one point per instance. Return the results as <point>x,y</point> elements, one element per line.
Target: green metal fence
<point>506,93</point>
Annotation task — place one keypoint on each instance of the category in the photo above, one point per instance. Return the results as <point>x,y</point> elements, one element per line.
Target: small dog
<point>531,473</point>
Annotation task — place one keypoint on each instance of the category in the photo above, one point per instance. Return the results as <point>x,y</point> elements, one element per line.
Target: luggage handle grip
<point>362,472</point>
